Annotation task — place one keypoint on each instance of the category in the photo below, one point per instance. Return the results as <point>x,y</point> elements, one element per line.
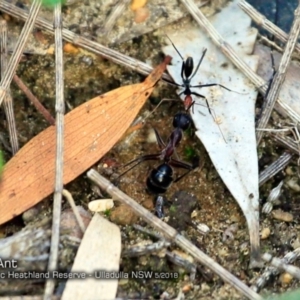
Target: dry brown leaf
<point>91,130</point>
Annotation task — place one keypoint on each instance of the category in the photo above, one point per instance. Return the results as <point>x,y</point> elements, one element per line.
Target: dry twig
<point>71,201</point>
<point>171,234</point>
<point>35,101</point>
<point>60,110</point>
<point>262,21</point>
<point>8,101</point>
<point>275,167</point>
<point>14,59</point>
<point>279,77</point>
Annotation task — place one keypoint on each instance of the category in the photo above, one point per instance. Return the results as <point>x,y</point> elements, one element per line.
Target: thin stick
<point>14,60</point>
<point>287,142</point>
<point>71,201</point>
<point>281,265</point>
<point>85,43</point>
<point>35,101</point>
<point>262,21</point>
<point>171,234</point>
<point>8,101</point>
<point>229,52</point>
<point>275,167</point>
<point>279,77</point>
<point>116,13</point>
<point>273,271</point>
<point>58,189</point>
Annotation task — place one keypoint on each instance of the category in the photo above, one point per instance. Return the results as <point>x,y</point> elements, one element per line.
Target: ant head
<point>182,120</point>
<point>188,67</point>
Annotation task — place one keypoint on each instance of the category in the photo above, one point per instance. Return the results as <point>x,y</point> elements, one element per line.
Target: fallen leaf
<point>91,130</point>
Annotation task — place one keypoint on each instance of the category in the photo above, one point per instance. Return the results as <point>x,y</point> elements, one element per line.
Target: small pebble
<point>187,287</point>
<point>141,15</point>
<point>281,215</point>
<point>123,215</point>
<point>293,184</point>
<point>69,48</point>
<point>285,278</point>
<point>265,233</point>
<point>101,205</point>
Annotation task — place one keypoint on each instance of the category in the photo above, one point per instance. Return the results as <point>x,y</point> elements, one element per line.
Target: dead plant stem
<point>58,189</point>
<point>279,77</point>
<point>14,59</point>
<point>8,101</point>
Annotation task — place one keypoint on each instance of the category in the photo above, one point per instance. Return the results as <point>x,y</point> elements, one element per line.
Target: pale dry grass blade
<point>60,110</point>
<point>8,101</point>
<point>77,215</point>
<point>172,235</point>
<point>117,11</point>
<point>279,77</point>
<point>15,58</point>
<point>275,167</point>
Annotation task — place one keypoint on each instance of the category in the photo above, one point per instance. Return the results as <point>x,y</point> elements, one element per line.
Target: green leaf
<point>294,295</point>
<point>52,3</point>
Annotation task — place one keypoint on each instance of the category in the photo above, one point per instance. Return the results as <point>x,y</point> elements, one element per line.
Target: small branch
<point>35,101</point>
<point>172,234</point>
<point>71,201</point>
<point>263,22</point>
<point>273,270</point>
<point>14,60</point>
<point>281,265</point>
<point>60,110</point>
<point>279,77</point>
<point>8,101</point>
<point>287,142</point>
<point>275,167</point>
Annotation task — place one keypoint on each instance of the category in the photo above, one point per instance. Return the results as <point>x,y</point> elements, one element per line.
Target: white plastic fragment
<point>229,137</point>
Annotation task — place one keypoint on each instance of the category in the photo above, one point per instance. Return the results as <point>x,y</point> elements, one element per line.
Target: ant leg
<point>174,47</point>
<point>137,161</point>
<point>217,84</point>
<point>157,106</point>
<point>201,96</point>
<point>180,164</point>
<point>199,63</point>
<point>159,140</point>
<point>212,113</point>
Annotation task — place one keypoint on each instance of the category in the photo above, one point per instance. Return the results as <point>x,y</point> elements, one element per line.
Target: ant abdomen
<point>188,67</point>
<point>160,179</point>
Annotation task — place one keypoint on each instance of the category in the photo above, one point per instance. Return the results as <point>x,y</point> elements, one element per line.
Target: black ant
<point>187,74</point>
<point>161,177</point>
